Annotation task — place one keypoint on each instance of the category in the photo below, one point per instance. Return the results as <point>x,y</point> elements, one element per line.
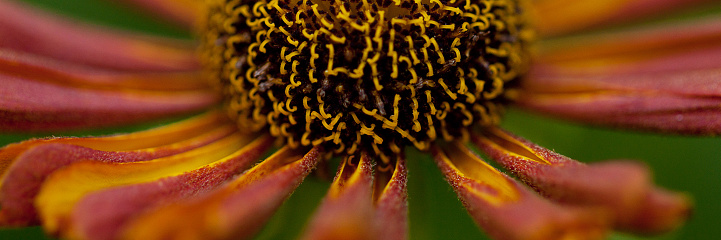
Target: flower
<point>193,179</point>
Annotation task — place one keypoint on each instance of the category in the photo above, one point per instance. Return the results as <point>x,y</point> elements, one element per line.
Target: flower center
<point>365,75</point>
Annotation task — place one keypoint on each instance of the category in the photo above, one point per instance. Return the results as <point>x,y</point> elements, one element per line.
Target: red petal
<point>391,219</point>
<point>102,215</point>
<point>29,105</point>
<point>642,43</point>
<point>64,73</point>
<point>651,111</point>
<point>623,188</point>
<point>22,181</point>
<point>39,33</point>
<point>555,17</point>
<point>64,188</point>
<point>363,205</point>
<point>506,209</point>
<point>666,79</point>
<point>347,210</point>
<point>237,211</point>
<point>155,137</point>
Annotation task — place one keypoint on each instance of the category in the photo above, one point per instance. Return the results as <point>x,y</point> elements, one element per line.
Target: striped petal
<point>31,31</point>
<point>506,209</point>
<point>183,12</point>
<point>361,205</point>
<point>153,138</point>
<point>22,181</point>
<point>27,105</point>
<point>555,17</point>
<point>49,70</point>
<point>65,187</point>
<point>639,43</point>
<point>237,210</point>
<point>104,214</point>
<point>633,80</point>
<point>624,189</point>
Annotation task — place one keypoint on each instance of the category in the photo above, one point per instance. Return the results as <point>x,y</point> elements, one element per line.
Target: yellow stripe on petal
<point>496,188</point>
<point>155,137</point>
<point>65,187</point>
<point>622,189</point>
<point>347,210</point>
<point>22,181</point>
<point>236,211</point>
<point>364,202</point>
<point>506,209</point>
<point>504,143</point>
<point>94,217</point>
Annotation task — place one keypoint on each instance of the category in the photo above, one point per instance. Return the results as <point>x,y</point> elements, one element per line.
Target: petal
<point>622,188</point>
<point>637,110</point>
<point>103,214</point>
<point>27,105</point>
<point>363,205</point>
<point>184,12</point>
<point>347,210</point>
<point>506,209</point>
<point>391,219</point>
<point>555,17</point>
<point>40,33</point>
<point>151,138</point>
<point>64,73</point>
<point>636,43</point>
<point>235,211</point>
<point>65,187</point>
<point>665,79</point>
<point>22,181</point>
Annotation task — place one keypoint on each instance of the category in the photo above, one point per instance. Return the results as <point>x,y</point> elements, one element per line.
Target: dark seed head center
<point>365,75</point>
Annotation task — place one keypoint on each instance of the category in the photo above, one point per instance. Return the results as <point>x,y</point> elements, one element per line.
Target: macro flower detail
<point>338,74</point>
<point>289,88</point>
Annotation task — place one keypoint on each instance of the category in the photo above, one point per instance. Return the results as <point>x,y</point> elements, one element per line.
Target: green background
<point>688,164</point>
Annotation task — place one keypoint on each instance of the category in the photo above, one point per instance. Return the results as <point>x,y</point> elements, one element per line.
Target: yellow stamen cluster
<point>364,75</point>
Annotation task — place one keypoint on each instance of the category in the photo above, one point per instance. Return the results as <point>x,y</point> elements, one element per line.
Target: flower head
<point>364,81</point>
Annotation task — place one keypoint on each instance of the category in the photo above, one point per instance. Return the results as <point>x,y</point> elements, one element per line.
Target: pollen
<point>363,75</point>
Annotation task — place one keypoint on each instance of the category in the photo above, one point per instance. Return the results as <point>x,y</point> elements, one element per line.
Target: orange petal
<point>184,12</point>
<point>506,209</point>
<point>347,210</point>
<point>103,214</point>
<point>64,73</point>
<point>363,205</point>
<point>237,210</point>
<point>635,44</point>
<point>21,183</point>
<point>27,105</point>
<point>29,30</point>
<point>155,137</point>
<point>555,17</point>
<point>65,187</point>
<point>623,188</point>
